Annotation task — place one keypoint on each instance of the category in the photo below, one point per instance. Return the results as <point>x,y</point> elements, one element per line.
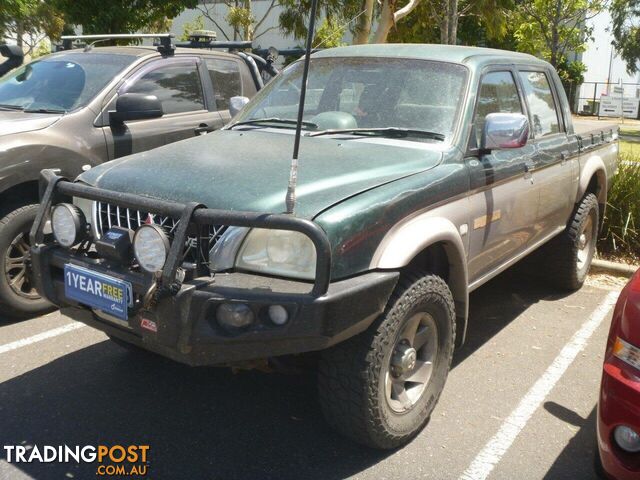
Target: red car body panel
<point>619,402</point>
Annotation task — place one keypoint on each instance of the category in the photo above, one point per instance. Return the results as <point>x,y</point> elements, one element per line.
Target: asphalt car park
<point>519,403</point>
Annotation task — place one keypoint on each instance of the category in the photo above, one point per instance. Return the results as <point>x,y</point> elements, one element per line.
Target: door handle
<point>203,129</point>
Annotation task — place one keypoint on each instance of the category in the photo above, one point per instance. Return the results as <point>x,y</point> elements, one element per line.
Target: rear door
<point>226,82</point>
<point>503,207</point>
<point>188,111</point>
<point>556,157</point>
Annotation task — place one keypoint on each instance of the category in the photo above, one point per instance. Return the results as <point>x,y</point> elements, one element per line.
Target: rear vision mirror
<point>136,106</point>
<point>236,104</point>
<point>504,130</point>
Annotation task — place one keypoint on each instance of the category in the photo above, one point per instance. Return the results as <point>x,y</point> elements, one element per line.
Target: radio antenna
<point>290,200</point>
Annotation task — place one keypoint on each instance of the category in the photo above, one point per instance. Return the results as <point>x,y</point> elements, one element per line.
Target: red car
<point>619,405</point>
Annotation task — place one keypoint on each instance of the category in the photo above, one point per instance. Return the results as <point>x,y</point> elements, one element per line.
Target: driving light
<point>278,314</point>
<point>151,247</point>
<point>278,252</point>
<point>627,353</point>
<point>627,439</point>
<point>235,315</point>
<point>68,224</point>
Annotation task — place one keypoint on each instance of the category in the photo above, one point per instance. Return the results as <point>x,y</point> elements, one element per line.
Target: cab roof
<point>424,51</point>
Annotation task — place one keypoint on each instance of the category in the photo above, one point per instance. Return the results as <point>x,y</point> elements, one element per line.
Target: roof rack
<point>165,46</point>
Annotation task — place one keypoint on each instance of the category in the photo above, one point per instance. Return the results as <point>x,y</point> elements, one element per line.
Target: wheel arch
<point>593,179</point>
<point>434,244</point>
<point>17,195</point>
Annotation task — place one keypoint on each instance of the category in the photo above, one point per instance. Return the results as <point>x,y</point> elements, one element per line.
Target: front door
<point>503,205</point>
<point>178,85</point>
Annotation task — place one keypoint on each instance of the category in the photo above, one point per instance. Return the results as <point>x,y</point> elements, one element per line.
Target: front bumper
<point>187,330</point>
<point>619,405</point>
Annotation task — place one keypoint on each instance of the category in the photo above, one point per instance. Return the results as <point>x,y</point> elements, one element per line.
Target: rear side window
<point>177,86</point>
<point>497,94</point>
<point>225,77</point>
<point>541,103</point>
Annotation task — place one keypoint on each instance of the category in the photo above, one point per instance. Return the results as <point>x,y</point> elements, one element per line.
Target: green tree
<point>553,28</point>
<point>469,22</point>
<point>121,16</point>
<point>241,16</point>
<point>29,22</point>
<point>625,16</point>
<point>360,15</point>
<point>189,27</point>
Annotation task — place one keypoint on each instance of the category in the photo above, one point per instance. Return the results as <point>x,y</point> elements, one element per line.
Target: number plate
<point>108,294</point>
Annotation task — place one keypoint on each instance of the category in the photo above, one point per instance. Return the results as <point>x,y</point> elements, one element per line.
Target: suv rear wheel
<point>18,296</point>
<point>380,387</point>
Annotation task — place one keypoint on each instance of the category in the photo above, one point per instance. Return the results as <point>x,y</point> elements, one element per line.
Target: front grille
<point>197,245</point>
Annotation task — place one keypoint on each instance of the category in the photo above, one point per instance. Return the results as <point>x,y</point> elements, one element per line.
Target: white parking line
<point>495,449</point>
<point>40,337</point>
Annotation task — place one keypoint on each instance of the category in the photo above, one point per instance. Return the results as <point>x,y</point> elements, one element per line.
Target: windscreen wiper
<point>11,107</point>
<point>44,110</point>
<point>395,132</point>
<point>276,120</point>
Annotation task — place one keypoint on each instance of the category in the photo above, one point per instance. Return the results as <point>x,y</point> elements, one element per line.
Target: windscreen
<point>60,82</point>
<point>367,93</point>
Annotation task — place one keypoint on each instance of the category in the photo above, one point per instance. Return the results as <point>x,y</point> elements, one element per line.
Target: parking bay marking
<point>481,467</point>
<point>40,337</point>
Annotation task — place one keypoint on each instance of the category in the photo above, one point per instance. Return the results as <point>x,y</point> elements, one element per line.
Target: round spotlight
<point>234,315</point>
<point>151,248</point>
<point>627,439</point>
<point>68,224</point>
<point>278,314</point>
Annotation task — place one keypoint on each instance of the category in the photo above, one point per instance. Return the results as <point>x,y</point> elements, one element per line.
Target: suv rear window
<point>225,77</point>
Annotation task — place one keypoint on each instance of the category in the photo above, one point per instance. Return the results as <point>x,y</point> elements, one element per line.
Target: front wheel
<point>18,296</point>
<point>380,387</point>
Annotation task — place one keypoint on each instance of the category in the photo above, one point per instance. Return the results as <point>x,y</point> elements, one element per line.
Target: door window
<point>225,77</point>
<point>541,103</point>
<point>177,86</point>
<point>498,94</point>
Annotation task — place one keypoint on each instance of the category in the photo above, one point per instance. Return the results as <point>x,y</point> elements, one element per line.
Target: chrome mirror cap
<point>236,104</point>
<point>504,130</point>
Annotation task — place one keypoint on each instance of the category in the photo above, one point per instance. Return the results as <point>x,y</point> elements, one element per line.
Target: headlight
<point>278,252</point>
<point>151,247</point>
<point>68,224</point>
<point>627,353</point>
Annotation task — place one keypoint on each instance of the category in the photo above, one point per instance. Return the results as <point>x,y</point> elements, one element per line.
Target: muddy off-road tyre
<point>567,258</point>
<point>380,387</point>
<point>18,297</point>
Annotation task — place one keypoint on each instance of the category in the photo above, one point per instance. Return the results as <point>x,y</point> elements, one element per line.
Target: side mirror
<point>236,104</point>
<point>504,130</point>
<point>136,106</point>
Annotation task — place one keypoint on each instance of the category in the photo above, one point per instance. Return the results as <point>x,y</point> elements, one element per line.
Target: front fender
<point>404,242</point>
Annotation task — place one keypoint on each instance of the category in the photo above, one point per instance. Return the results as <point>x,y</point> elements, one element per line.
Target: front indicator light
<point>151,247</point>
<point>627,353</point>
<point>627,439</point>
<point>278,314</point>
<point>68,224</point>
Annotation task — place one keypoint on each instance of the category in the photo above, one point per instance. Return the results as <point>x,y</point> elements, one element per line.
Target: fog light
<point>627,439</point>
<point>235,315</point>
<point>278,314</point>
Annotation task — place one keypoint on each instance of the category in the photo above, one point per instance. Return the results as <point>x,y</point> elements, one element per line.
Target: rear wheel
<point>18,296</point>
<point>380,387</point>
<point>569,255</point>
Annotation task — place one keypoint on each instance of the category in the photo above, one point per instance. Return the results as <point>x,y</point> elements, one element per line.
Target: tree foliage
<point>240,15</point>
<point>625,16</point>
<point>121,16</point>
<point>29,22</point>
<point>470,22</point>
<point>359,16</point>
